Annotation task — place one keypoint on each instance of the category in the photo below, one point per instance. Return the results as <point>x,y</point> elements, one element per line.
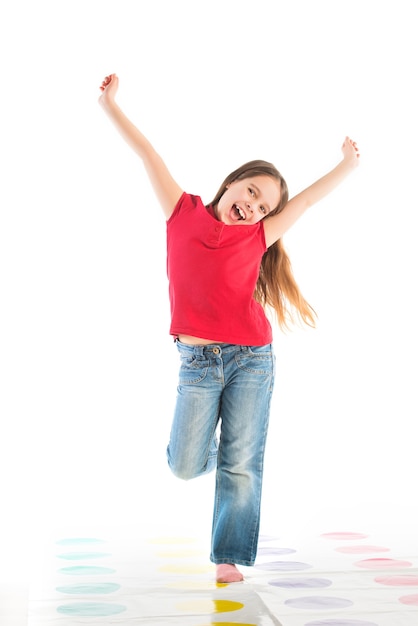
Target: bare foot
<point>228,573</point>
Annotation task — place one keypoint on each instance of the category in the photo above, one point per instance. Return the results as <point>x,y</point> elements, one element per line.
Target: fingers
<point>107,81</point>
<point>350,141</point>
<point>353,144</point>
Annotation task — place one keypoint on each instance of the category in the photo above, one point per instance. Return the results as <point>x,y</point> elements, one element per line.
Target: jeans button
<point>216,350</point>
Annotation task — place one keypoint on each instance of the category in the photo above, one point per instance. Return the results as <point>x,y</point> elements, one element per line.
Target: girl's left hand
<point>350,151</point>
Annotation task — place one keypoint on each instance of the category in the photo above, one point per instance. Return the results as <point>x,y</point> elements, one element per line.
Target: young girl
<point>226,264</point>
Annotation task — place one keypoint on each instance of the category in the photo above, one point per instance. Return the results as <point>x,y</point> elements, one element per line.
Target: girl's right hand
<point>350,152</point>
<point>108,88</point>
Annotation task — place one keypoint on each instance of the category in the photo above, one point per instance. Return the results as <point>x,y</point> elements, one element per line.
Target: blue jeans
<point>232,384</point>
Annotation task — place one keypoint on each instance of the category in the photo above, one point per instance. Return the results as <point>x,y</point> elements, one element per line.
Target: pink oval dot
<point>361,549</point>
<point>411,600</point>
<point>378,563</point>
<point>344,536</point>
<point>398,581</point>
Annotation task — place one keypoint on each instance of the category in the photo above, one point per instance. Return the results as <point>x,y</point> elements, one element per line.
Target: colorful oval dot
<point>344,535</point>
<point>398,581</point>
<point>266,551</point>
<point>379,563</point>
<point>318,602</point>
<point>301,583</point>
<point>187,584</point>
<point>86,570</point>
<point>91,588</point>
<point>82,556</point>
<point>361,549</point>
<point>283,566</point>
<point>209,606</point>
<point>91,609</point>
<point>70,541</point>
<point>186,569</point>
<point>410,600</point>
<point>228,624</point>
<point>180,554</point>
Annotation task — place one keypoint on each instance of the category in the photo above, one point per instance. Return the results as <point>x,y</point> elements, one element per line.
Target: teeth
<point>241,212</point>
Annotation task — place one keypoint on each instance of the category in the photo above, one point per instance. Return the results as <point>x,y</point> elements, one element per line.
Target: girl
<point>226,264</point>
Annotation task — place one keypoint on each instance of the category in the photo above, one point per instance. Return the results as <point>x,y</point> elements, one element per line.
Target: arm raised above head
<point>166,189</point>
<point>276,225</point>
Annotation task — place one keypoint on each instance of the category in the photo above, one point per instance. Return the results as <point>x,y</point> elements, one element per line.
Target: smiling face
<point>249,200</point>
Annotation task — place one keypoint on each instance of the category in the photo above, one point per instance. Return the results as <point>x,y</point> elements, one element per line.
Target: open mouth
<point>239,212</point>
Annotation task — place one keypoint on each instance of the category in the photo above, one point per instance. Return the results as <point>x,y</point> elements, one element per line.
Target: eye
<point>263,209</point>
<point>251,191</point>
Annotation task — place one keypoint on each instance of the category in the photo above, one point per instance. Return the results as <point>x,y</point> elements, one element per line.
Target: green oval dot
<point>80,556</point>
<point>93,588</point>
<point>91,609</point>
<point>86,570</point>
<point>70,541</point>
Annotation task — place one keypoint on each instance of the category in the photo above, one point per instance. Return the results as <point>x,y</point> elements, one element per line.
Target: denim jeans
<point>233,385</point>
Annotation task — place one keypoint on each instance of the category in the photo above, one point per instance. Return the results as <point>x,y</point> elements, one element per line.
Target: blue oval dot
<point>80,556</point>
<point>86,570</point>
<point>91,588</point>
<point>91,609</point>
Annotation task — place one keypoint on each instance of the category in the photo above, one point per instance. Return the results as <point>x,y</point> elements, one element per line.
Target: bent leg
<point>192,449</point>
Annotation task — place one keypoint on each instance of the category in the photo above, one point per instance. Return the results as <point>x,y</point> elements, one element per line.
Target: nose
<point>249,207</point>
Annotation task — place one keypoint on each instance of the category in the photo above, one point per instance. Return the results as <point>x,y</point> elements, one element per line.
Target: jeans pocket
<point>192,370</point>
<point>256,360</point>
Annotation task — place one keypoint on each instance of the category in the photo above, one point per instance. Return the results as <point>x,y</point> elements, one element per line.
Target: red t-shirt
<point>212,270</point>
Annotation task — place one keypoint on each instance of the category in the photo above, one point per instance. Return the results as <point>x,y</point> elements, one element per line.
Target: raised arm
<point>166,189</point>
<point>278,224</point>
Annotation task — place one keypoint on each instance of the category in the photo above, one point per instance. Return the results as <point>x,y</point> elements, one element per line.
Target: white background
<point>88,370</point>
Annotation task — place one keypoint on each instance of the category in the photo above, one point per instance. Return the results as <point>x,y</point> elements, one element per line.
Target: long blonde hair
<point>276,286</point>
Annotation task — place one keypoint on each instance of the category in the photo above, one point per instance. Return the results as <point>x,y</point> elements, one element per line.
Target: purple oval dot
<point>318,602</point>
<point>283,566</point>
<point>274,551</point>
<point>267,538</point>
<point>300,583</point>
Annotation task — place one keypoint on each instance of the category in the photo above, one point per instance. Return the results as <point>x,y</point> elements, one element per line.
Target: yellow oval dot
<point>186,569</point>
<point>228,624</point>
<point>195,585</point>
<point>180,554</point>
<point>210,606</point>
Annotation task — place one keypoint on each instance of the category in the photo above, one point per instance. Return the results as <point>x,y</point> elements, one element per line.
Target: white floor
<point>326,574</point>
